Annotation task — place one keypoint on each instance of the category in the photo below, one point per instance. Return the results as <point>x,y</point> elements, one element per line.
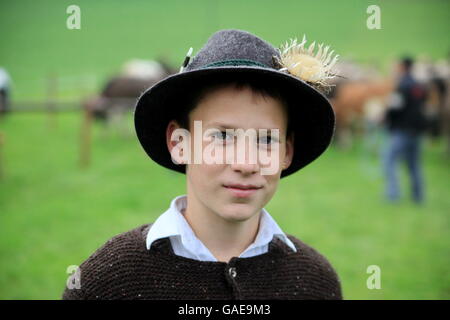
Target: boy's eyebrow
<point>228,126</point>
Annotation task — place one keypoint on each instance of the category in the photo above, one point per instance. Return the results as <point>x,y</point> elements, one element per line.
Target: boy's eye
<point>266,140</point>
<point>222,136</point>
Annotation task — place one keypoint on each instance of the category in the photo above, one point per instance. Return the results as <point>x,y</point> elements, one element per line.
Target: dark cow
<point>120,93</point>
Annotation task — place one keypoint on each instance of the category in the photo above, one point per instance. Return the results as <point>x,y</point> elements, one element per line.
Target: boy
<point>218,241</point>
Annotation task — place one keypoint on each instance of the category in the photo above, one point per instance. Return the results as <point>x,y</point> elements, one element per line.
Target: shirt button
<point>232,272</point>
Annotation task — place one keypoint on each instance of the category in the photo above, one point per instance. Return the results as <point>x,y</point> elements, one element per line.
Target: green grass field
<point>36,42</point>
<point>54,214</point>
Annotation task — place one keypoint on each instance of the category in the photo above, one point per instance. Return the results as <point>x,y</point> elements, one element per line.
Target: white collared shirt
<point>172,224</point>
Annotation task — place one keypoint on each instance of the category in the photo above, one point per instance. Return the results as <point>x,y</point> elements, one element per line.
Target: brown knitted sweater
<point>123,268</point>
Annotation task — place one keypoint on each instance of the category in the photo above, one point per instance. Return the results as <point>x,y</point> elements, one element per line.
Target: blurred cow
<point>438,105</point>
<point>436,78</point>
<point>358,99</point>
<point>120,93</point>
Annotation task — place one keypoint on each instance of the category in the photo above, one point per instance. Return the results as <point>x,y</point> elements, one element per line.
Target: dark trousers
<point>406,147</point>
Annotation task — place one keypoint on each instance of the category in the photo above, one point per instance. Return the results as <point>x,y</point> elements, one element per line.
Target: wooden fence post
<point>85,137</point>
<point>52,94</point>
<point>2,142</point>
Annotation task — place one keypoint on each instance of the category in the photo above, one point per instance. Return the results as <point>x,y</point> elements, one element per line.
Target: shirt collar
<point>167,224</point>
<point>173,224</point>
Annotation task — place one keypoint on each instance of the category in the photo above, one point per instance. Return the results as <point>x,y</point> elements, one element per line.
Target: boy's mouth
<point>242,186</point>
<point>242,190</point>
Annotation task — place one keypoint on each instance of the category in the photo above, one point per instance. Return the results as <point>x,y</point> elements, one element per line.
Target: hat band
<point>234,62</point>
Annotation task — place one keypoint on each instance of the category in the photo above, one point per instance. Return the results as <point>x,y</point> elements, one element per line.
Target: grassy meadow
<point>54,214</point>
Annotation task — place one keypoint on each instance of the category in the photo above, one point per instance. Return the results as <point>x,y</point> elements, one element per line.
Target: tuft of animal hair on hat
<point>301,62</point>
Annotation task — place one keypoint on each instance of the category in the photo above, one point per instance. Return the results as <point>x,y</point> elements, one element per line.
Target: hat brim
<point>312,116</point>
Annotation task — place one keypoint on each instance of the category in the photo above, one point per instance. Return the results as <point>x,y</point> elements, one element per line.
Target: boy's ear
<point>171,127</point>
<point>289,155</point>
<point>173,143</point>
<point>178,142</point>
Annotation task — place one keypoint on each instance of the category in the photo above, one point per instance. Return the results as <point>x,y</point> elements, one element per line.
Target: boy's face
<point>209,184</point>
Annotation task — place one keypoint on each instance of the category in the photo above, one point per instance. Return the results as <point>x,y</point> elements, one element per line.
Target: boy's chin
<point>238,212</point>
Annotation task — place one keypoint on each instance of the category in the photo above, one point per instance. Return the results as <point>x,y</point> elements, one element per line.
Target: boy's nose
<point>246,160</point>
<point>245,168</point>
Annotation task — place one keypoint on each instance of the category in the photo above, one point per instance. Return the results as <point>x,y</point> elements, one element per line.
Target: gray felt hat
<point>240,54</point>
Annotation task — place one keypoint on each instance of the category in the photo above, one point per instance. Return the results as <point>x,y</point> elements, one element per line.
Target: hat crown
<point>234,45</point>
